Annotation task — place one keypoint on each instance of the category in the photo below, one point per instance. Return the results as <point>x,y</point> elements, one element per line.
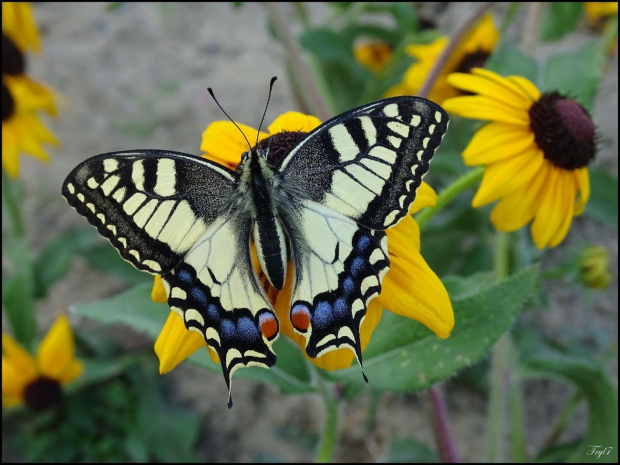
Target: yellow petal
<point>424,197</point>
<point>56,351</point>
<point>224,143</point>
<point>10,150</point>
<point>483,37</point>
<point>567,206</point>
<point>548,218</point>
<point>505,177</point>
<point>582,179</point>
<point>404,238</point>
<point>497,141</point>
<point>158,293</point>
<point>175,343</point>
<point>71,372</point>
<point>18,23</point>
<point>373,55</point>
<point>485,108</point>
<point>427,51</point>
<point>413,290</point>
<point>517,209</point>
<point>490,85</point>
<point>526,86</point>
<point>294,121</point>
<point>19,358</point>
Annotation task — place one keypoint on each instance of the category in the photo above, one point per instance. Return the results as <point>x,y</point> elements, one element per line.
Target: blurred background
<point>135,75</point>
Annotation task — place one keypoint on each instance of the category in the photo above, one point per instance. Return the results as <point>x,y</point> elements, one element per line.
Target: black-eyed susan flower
<point>22,97</point>
<point>599,12</point>
<point>471,53</point>
<point>373,55</point>
<point>36,381</point>
<point>535,149</point>
<point>594,267</point>
<point>426,300</point>
<point>18,23</point>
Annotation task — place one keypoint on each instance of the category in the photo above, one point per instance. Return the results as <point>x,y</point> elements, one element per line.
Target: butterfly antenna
<point>231,120</point>
<point>273,79</point>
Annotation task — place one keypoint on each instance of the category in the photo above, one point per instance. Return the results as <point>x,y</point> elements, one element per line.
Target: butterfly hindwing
<point>218,294</point>
<point>368,163</point>
<point>339,267</point>
<point>152,205</point>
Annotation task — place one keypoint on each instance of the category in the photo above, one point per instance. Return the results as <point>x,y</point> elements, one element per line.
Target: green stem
<point>329,434</point>
<point>518,448</point>
<point>10,201</point>
<point>501,358</point>
<point>445,196</point>
<point>303,74</point>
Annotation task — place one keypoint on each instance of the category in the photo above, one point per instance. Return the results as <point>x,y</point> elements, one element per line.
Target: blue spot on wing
<point>363,243</point>
<point>184,276</point>
<point>213,312</point>
<point>348,285</point>
<point>229,330</point>
<point>341,309</point>
<point>323,315</point>
<point>357,266</point>
<point>247,329</point>
<point>199,295</point>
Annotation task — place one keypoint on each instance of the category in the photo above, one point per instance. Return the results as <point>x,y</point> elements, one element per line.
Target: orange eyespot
<point>300,317</point>
<point>268,325</point>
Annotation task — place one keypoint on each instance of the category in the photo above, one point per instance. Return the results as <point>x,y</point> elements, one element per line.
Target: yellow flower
<point>535,150</point>
<point>18,23</point>
<point>22,98</point>
<point>426,300</point>
<point>373,55</point>
<point>600,11</point>
<point>471,53</point>
<point>37,380</point>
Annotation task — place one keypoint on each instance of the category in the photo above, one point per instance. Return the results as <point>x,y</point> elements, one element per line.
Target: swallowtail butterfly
<point>321,207</point>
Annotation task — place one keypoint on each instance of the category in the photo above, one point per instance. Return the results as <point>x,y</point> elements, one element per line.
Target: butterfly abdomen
<point>268,233</point>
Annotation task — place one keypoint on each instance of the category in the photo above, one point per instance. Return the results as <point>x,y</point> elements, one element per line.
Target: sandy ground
<point>137,77</point>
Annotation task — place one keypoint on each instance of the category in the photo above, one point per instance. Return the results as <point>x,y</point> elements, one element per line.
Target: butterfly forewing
<point>151,205</point>
<point>369,162</point>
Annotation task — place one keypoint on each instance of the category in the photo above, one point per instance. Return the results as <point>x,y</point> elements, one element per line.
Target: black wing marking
<point>218,294</point>
<point>152,205</point>
<point>339,267</point>
<point>367,163</point>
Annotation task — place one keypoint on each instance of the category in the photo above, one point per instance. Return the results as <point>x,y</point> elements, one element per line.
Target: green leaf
<point>405,16</point>
<point>576,74</point>
<point>507,60</point>
<point>409,450</point>
<point>560,18</point>
<point>603,202</point>
<point>55,258</point>
<point>403,355</point>
<point>105,258</point>
<point>17,294</point>
<point>136,309</point>
<point>592,381</point>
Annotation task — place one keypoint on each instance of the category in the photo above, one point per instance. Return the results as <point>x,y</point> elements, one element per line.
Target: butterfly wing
<point>351,178</point>
<point>339,267</point>
<point>179,216</point>
<point>368,163</point>
<point>151,205</point>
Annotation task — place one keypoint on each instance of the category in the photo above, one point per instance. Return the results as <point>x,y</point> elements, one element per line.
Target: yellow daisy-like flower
<point>18,23</point>
<point>600,11</point>
<point>373,55</point>
<point>36,381</point>
<point>471,53</point>
<point>22,98</point>
<point>426,300</point>
<point>535,148</point>
<point>594,267</point>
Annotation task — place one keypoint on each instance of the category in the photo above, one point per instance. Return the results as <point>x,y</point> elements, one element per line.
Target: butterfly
<point>318,202</point>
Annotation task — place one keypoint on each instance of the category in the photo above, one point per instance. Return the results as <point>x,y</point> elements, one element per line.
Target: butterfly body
<point>314,205</point>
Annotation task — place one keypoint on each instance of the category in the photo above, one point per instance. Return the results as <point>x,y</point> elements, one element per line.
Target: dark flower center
<point>42,394</point>
<point>8,104</point>
<point>278,145</point>
<point>473,60</point>
<point>12,59</point>
<point>564,130</point>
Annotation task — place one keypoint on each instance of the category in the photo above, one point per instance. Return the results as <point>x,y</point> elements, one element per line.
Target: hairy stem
<point>455,39</point>
<point>445,196</point>
<point>441,427</point>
